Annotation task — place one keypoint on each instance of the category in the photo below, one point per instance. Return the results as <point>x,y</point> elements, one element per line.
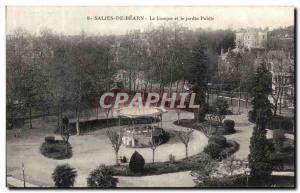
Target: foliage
<point>215,119</point>
<point>57,150</point>
<point>198,75</point>
<point>214,150</point>
<point>260,90</point>
<point>280,122</point>
<point>231,166</point>
<point>115,138</point>
<point>136,163</point>
<point>259,160</point>
<point>228,126</point>
<point>218,139</point>
<point>231,148</point>
<point>251,117</point>
<point>221,106</point>
<point>193,163</point>
<point>50,139</point>
<point>102,177</point>
<point>184,136</point>
<point>279,138</point>
<point>123,159</point>
<point>64,176</point>
<point>207,129</point>
<point>226,173</point>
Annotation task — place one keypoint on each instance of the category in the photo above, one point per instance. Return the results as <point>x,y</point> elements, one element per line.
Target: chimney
<point>289,55</point>
<point>222,51</point>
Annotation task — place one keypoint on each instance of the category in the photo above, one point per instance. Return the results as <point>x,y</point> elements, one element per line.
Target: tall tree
<point>259,160</point>
<point>115,138</point>
<point>198,77</point>
<point>184,137</point>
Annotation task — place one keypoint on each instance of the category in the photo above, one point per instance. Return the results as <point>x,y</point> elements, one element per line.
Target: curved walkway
<point>89,151</point>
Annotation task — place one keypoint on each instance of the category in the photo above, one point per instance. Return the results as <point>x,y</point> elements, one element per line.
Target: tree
<point>102,177</point>
<point>197,76</point>
<point>154,143</point>
<point>184,137</point>
<point>115,138</point>
<point>259,157</point>
<point>260,89</point>
<point>282,72</point>
<point>64,176</point>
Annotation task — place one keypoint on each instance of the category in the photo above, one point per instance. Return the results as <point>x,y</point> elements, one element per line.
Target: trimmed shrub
<point>136,163</point>
<point>228,125</point>
<point>64,176</point>
<point>102,177</point>
<point>50,139</point>
<point>214,150</point>
<point>218,139</point>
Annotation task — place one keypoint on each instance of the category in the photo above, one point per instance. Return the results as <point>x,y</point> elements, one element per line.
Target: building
<point>140,136</point>
<point>251,38</point>
<point>133,81</point>
<point>281,66</point>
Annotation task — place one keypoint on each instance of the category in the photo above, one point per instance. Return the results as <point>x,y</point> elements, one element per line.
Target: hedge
<point>218,139</point>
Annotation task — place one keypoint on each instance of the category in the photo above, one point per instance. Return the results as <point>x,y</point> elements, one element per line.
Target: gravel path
<point>183,179</point>
<point>89,151</point>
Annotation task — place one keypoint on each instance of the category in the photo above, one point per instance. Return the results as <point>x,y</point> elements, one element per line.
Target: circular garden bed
<point>56,149</point>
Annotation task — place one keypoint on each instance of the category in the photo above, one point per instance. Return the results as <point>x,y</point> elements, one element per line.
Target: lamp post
<point>247,173</point>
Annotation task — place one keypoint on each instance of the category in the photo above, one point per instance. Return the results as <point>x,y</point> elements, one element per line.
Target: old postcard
<point>150,97</point>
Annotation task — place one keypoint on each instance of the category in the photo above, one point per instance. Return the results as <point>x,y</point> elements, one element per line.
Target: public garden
<point>240,135</point>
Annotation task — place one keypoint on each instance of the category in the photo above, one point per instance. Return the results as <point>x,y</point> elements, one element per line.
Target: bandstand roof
<point>134,112</point>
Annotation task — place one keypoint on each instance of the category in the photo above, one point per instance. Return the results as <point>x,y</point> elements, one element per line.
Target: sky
<point>72,20</point>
